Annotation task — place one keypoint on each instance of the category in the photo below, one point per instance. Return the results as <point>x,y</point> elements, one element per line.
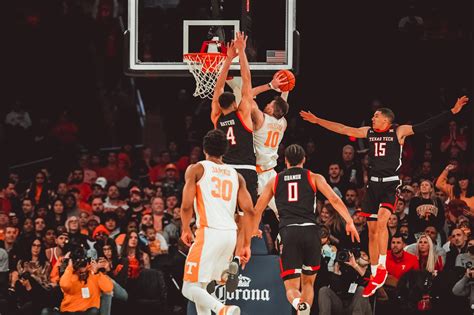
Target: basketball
<point>290,78</point>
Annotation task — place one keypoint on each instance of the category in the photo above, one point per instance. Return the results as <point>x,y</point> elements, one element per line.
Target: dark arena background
<point>94,151</point>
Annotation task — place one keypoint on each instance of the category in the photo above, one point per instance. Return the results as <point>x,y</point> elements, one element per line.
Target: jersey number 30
<point>292,192</point>
<point>380,148</point>
<point>222,189</point>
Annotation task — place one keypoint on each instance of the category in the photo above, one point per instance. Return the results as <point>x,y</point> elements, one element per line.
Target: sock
<point>373,269</point>
<point>295,303</point>
<point>382,260</point>
<point>194,292</point>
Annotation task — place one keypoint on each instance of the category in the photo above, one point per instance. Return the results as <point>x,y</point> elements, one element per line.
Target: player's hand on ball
<point>459,104</point>
<point>309,116</point>
<point>187,237</point>
<point>352,231</point>
<point>279,81</point>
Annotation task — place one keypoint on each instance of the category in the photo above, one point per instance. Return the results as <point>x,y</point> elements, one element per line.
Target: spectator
<point>55,254</point>
<point>407,194</point>
<point>432,232</point>
<point>424,173</point>
<point>392,226</point>
<point>75,235</point>
<point>39,190</point>
<point>111,171</point>
<point>400,212</point>
<point>426,209</point>
<point>464,287</point>
<point>399,261</point>
<point>333,221</point>
<point>456,245</point>
<point>142,167</point>
<point>352,172</point>
<point>113,201</point>
<point>77,181</point>
<point>98,188</point>
<point>90,175</point>
<point>7,192</point>
<point>40,227</point>
<point>111,224</point>
<point>170,182</point>
<point>56,216</point>
<point>61,191</point>
<point>341,296</point>
<point>10,245</point>
<point>351,200</point>
<point>30,279</point>
<point>462,189</point>
<point>160,218</point>
<point>466,260</point>
<point>158,172</point>
<point>82,285</point>
<point>171,203</point>
<point>135,204</point>
<point>360,223</point>
<point>427,257</point>
<point>172,231</point>
<point>97,206</point>
<point>18,118</point>
<point>335,179</point>
<point>454,139</point>
<point>65,131</point>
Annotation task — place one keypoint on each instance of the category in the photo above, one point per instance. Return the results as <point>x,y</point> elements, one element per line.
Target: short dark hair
<point>215,143</point>
<point>387,112</point>
<point>294,154</point>
<point>226,99</point>
<point>281,107</point>
<point>399,235</point>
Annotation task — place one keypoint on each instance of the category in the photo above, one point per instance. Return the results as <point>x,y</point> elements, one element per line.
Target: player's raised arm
<point>274,84</point>
<point>189,191</point>
<point>245,105</point>
<point>334,126</point>
<point>220,83</point>
<point>432,122</point>
<point>337,203</point>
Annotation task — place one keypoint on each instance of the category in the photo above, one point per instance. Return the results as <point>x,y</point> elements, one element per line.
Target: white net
<point>206,68</point>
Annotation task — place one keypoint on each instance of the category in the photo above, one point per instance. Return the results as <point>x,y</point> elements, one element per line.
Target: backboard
<point>161,31</point>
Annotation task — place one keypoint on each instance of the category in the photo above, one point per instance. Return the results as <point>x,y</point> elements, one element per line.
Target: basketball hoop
<point>206,67</point>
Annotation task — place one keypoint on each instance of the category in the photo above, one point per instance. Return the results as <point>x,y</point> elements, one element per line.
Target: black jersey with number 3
<point>295,196</point>
<point>240,137</point>
<point>385,152</point>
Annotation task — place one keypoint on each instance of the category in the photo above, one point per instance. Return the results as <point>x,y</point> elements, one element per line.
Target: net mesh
<point>206,68</point>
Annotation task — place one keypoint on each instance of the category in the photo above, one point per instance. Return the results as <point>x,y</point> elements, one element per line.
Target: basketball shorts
<point>380,195</point>
<point>251,181</point>
<point>210,255</point>
<point>263,179</point>
<point>300,251</point>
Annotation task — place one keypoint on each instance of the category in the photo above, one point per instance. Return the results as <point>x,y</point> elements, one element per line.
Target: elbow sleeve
<point>432,122</point>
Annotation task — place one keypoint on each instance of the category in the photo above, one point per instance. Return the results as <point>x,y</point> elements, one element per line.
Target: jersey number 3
<point>292,192</point>
<point>380,148</point>
<point>222,189</point>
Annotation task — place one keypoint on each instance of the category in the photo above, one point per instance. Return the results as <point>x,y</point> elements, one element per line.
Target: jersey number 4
<point>380,148</point>
<point>292,192</point>
<point>222,188</point>
<point>230,136</point>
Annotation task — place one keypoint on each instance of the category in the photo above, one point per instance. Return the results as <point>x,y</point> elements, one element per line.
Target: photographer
<point>465,286</point>
<point>343,295</point>
<point>82,284</point>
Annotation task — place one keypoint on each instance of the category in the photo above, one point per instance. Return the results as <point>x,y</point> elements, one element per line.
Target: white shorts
<point>263,179</point>
<point>210,255</point>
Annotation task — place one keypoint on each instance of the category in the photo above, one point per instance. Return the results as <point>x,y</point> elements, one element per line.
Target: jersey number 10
<point>272,139</point>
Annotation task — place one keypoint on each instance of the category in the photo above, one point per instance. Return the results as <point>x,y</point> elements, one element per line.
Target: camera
<point>343,255</point>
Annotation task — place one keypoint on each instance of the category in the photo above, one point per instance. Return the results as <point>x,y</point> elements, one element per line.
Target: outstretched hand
<point>352,231</point>
<point>240,42</point>
<point>187,237</point>
<point>231,51</point>
<point>309,116</point>
<point>459,104</point>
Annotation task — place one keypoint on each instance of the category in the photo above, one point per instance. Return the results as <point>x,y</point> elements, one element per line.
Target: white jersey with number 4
<point>216,196</point>
<point>266,141</point>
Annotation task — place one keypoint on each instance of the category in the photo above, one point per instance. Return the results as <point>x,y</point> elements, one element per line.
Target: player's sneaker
<point>375,282</point>
<point>230,310</point>
<point>303,309</point>
<point>232,277</point>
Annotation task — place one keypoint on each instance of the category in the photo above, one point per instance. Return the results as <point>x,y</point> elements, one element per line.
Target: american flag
<point>276,56</point>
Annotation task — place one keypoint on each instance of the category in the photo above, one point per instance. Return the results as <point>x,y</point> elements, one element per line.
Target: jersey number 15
<point>380,148</point>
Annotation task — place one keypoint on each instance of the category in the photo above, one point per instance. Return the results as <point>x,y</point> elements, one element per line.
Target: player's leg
<point>292,288</point>
<point>196,292</point>
<point>370,206</point>
<point>373,246</point>
<point>382,234</point>
<point>307,291</point>
<point>310,235</point>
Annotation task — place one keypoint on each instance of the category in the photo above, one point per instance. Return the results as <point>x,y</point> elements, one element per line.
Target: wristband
<point>270,86</point>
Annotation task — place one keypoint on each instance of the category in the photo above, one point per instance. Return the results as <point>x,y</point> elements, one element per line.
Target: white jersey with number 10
<point>216,196</point>
<point>267,140</point>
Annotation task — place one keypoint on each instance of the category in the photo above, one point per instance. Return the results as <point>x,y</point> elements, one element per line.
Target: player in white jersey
<point>214,189</point>
<point>269,126</point>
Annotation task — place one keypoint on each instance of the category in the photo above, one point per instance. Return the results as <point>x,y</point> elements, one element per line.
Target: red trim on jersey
<point>383,130</point>
<point>242,121</point>
<point>313,268</point>
<point>387,205</point>
<point>365,214</point>
<point>288,272</point>
<point>275,184</point>
<point>313,185</point>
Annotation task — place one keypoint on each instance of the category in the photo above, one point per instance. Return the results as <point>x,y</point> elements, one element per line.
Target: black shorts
<point>300,251</point>
<point>380,195</point>
<point>251,181</point>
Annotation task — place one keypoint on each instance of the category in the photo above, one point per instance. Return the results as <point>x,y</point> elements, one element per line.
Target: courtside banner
<point>260,289</point>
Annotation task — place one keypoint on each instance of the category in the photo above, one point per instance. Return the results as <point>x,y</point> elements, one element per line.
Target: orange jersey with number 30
<point>267,140</point>
<point>216,196</point>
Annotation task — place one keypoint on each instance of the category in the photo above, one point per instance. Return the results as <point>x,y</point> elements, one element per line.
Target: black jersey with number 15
<point>295,196</point>
<point>385,152</point>
<point>240,137</point>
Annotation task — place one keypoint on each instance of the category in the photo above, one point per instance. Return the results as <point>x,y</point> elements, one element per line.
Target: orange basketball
<point>290,79</point>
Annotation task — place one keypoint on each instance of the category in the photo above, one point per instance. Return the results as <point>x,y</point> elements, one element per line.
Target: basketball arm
<point>331,196</point>
<point>335,127</point>
<point>189,191</point>
<point>219,89</point>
